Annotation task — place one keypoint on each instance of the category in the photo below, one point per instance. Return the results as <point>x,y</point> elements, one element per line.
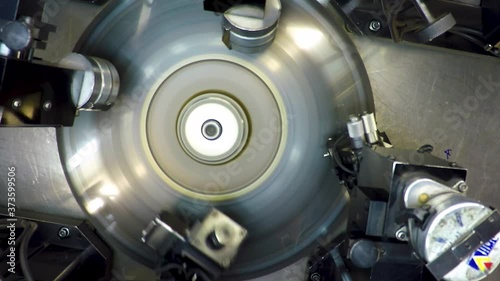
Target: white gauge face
<point>451,225</point>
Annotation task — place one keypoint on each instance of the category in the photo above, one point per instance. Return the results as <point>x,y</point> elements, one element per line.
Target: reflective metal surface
<point>414,87</point>
<point>126,165</point>
<point>40,182</point>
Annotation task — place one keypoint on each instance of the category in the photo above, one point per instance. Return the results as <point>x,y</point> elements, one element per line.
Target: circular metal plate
<point>127,164</point>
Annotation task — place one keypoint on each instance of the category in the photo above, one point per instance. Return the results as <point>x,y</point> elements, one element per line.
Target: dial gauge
<point>451,225</point>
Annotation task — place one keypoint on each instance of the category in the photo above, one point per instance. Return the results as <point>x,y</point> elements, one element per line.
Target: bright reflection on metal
<point>94,205</point>
<point>140,170</point>
<point>273,64</point>
<point>144,16</point>
<point>109,190</point>
<point>88,150</point>
<point>305,38</point>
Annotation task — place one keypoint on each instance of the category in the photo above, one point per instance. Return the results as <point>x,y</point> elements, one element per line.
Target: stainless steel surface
<point>297,93</point>
<point>40,182</point>
<point>447,99</point>
<point>420,95</point>
<point>228,234</point>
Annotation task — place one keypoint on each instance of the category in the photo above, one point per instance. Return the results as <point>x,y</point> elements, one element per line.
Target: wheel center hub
<point>212,128</point>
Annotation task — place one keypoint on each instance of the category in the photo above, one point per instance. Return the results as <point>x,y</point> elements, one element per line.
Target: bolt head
<point>401,235</point>
<point>462,187</point>
<point>375,25</point>
<point>47,105</point>
<point>16,104</point>
<point>315,277</point>
<point>63,232</point>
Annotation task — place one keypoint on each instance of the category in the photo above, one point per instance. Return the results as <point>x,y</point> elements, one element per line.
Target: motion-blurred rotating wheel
<point>198,126</point>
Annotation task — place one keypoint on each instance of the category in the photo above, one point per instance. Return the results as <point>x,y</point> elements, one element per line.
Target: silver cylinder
<point>370,127</point>
<point>251,29</point>
<point>356,131</point>
<point>95,87</point>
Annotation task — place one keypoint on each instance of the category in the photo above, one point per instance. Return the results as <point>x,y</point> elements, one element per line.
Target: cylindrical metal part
<point>364,253</point>
<point>249,28</point>
<point>356,131</point>
<point>96,87</point>
<point>15,35</point>
<point>423,10</point>
<point>370,127</point>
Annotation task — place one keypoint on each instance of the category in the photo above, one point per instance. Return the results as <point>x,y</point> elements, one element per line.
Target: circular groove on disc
<point>232,95</point>
<point>295,94</point>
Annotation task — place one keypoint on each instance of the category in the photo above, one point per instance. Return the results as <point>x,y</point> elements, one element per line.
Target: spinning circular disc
<point>198,126</point>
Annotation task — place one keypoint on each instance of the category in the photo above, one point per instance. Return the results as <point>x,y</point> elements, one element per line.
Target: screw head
<point>462,187</point>
<point>47,105</point>
<point>315,277</point>
<point>17,103</point>
<point>375,25</point>
<point>401,235</point>
<point>63,232</point>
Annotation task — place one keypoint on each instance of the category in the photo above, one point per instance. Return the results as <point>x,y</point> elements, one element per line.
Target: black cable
<point>336,156</point>
<point>473,40</point>
<point>23,251</point>
<point>467,30</point>
<point>468,38</point>
<point>74,264</point>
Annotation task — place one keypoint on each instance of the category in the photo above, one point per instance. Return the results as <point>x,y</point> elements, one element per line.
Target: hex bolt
<point>63,232</point>
<point>375,25</point>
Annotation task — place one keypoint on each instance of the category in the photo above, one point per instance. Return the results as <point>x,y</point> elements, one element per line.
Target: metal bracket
<point>217,237</point>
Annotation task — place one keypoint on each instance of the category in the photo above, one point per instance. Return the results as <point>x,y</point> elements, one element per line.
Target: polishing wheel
<point>198,125</point>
